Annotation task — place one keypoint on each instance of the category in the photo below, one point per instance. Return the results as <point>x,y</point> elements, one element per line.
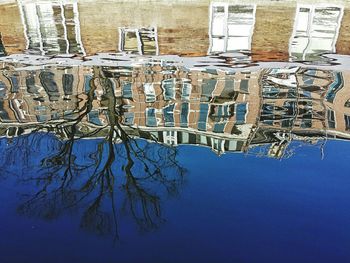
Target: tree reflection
<point>66,181</point>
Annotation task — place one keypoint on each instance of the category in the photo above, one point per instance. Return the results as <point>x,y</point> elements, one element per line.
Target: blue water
<point>229,208</point>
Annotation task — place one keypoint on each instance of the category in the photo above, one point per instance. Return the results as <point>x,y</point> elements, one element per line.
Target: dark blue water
<point>229,208</point>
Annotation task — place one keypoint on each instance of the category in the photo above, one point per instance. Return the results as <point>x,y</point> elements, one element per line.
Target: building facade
<point>274,31</point>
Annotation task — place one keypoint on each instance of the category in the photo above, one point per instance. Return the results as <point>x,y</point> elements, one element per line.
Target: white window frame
<point>226,35</point>
<point>150,92</point>
<point>124,30</point>
<point>29,15</point>
<point>170,137</point>
<point>309,28</point>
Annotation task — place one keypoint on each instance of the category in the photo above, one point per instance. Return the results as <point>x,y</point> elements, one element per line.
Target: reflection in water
<point>51,27</point>
<point>99,135</point>
<point>73,175</point>
<point>294,32</point>
<point>315,32</point>
<point>135,116</point>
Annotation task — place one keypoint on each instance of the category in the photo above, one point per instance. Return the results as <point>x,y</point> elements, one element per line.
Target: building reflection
<point>51,27</point>
<point>224,110</point>
<point>135,117</point>
<point>262,32</point>
<point>315,31</point>
<point>231,27</point>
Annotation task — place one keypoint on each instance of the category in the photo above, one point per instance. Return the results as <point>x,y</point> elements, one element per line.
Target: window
<point>150,93</point>
<point>142,41</point>
<point>315,31</point>
<point>87,80</point>
<point>67,81</point>
<point>331,119</point>
<point>51,27</point>
<point>185,109</point>
<point>244,86</point>
<point>168,114</point>
<point>128,118</point>
<point>184,137</point>
<point>347,122</point>
<point>168,86</point>
<point>186,90</point>
<point>267,114</point>
<point>203,117</point>
<point>151,120</point>
<point>228,93</point>
<point>241,111</point>
<point>218,145</point>
<point>170,137</point>
<point>220,115</point>
<point>336,85</point>
<point>231,27</point>
<point>126,90</point>
<point>47,80</point>
<point>289,113</point>
<point>208,86</point>
<point>14,82</point>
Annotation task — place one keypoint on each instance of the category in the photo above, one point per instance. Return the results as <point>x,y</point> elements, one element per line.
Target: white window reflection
<point>231,27</point>
<point>51,27</point>
<point>170,137</point>
<point>316,30</point>
<point>142,41</point>
<point>150,92</point>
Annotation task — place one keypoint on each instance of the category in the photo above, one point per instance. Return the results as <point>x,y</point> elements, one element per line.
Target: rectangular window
<point>185,109</point>
<point>228,93</point>
<point>67,81</point>
<point>231,27</point>
<point>186,91</point>
<point>241,111</point>
<point>244,86</point>
<point>208,86</point>
<point>168,115</point>
<point>221,116</point>
<point>51,28</point>
<point>151,120</point>
<point>203,116</point>
<point>128,118</point>
<point>316,30</point>
<point>331,119</point>
<point>127,90</point>
<point>347,122</point>
<point>87,79</point>
<point>142,41</point>
<point>168,86</point>
<point>170,137</point>
<point>150,93</point>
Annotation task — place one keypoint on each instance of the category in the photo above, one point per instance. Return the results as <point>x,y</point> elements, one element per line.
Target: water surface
<point>155,140</point>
